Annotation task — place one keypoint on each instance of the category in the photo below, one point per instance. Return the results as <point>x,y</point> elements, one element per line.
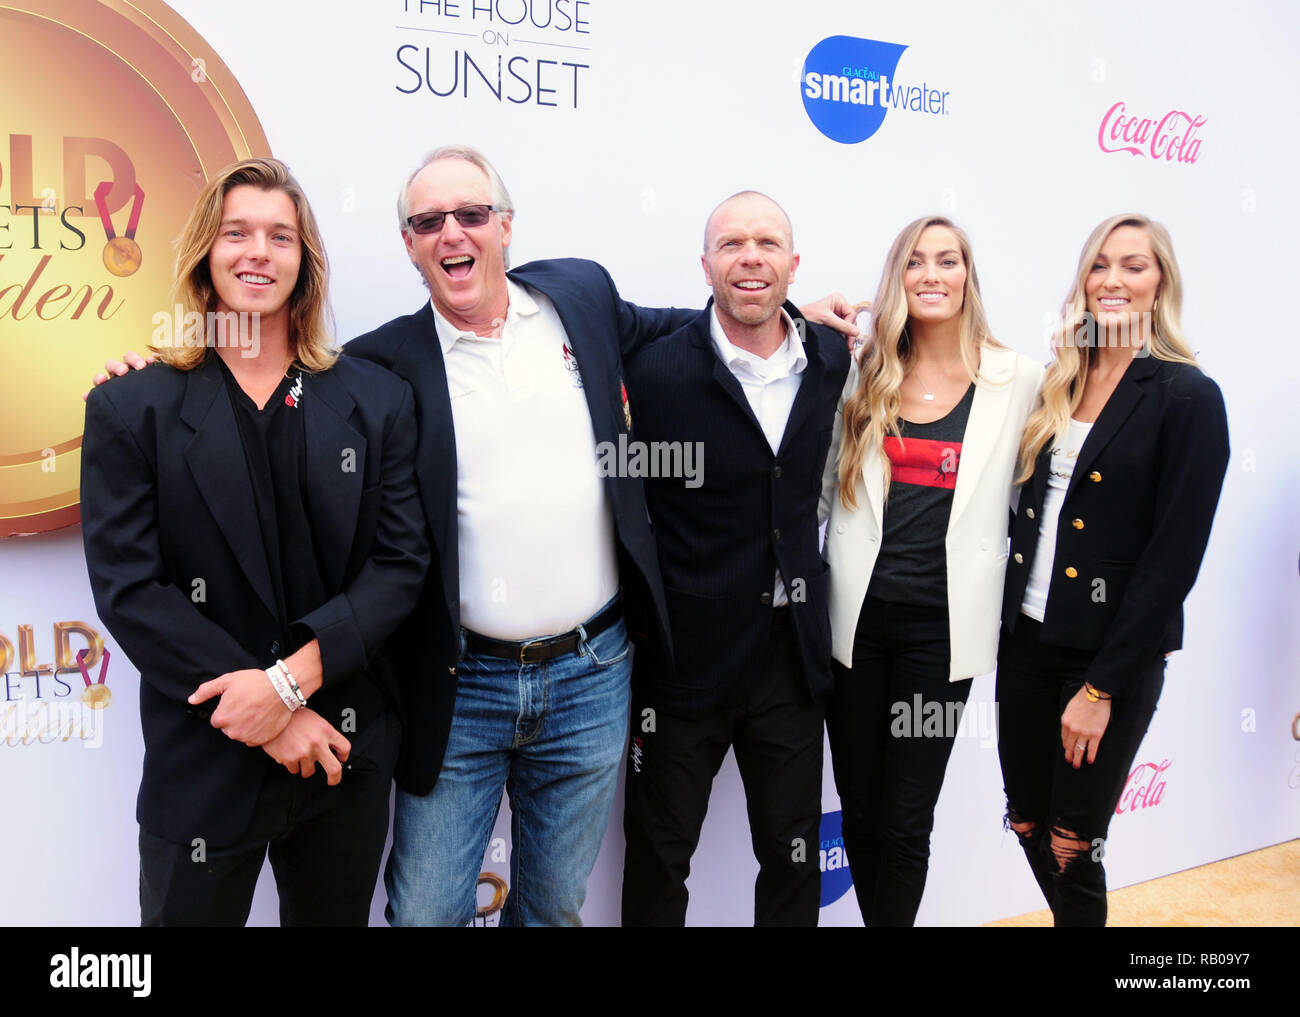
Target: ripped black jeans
<point>1069,810</point>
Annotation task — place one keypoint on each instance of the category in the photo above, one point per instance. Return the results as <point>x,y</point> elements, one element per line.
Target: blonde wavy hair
<point>310,323</point>
<point>1075,334</point>
<point>874,409</point>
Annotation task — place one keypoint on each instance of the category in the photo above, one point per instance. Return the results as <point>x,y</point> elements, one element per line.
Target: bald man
<point>744,396</point>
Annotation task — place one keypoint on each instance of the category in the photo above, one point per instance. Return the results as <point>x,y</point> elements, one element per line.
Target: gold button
<point>1020,558</point>
<point>1072,572</point>
<point>1029,513</point>
<point>1077,524</point>
<point>1095,477</point>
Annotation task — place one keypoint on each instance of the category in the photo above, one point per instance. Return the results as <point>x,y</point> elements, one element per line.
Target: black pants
<point>776,731</point>
<point>325,845</point>
<point>889,762</point>
<point>1035,683</point>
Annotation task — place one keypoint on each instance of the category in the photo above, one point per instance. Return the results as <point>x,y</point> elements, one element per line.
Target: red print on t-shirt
<point>923,461</point>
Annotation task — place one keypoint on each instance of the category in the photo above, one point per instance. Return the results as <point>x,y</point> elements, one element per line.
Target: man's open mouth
<point>458,267</point>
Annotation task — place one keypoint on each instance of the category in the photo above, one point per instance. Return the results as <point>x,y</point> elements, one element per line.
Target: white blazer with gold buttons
<point>977,539</point>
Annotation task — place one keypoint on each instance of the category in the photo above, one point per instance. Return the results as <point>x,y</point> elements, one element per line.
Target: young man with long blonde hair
<point>253,534</point>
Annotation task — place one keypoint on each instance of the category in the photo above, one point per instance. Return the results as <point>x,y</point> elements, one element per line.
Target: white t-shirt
<point>1060,469</point>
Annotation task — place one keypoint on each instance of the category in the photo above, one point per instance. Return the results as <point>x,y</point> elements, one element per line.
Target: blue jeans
<point>552,735</point>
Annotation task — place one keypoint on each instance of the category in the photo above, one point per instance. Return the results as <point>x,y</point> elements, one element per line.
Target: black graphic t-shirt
<point>275,447</point>
<point>912,567</point>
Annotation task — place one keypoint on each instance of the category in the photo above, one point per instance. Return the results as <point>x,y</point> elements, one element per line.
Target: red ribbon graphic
<point>101,193</point>
<point>81,658</point>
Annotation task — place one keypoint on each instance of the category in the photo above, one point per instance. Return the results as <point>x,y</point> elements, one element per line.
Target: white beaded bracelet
<point>297,692</point>
<point>282,689</point>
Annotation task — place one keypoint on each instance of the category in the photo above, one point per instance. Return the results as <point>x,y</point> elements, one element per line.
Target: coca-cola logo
<point>1171,138</point>
<point>1144,788</point>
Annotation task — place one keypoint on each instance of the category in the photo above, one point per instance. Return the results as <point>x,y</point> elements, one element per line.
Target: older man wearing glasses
<point>516,662</point>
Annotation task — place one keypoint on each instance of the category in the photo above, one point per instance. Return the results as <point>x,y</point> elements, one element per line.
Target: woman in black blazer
<point>1124,462</point>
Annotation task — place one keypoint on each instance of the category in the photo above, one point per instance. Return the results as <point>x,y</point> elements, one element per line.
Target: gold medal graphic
<point>136,104</point>
<point>96,694</point>
<point>122,255</point>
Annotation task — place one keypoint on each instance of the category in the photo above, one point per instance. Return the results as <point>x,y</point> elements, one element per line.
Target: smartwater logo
<point>836,878</point>
<point>849,84</point>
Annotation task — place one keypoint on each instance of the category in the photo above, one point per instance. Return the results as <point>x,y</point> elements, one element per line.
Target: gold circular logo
<point>114,116</point>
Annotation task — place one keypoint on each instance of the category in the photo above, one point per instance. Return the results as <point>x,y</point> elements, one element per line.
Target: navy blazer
<point>722,542</point>
<point>180,577</point>
<point>600,325</point>
<point>1134,523</point>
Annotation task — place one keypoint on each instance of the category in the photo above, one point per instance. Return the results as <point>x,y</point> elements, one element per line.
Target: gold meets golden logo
<point>38,704</point>
<point>103,152</point>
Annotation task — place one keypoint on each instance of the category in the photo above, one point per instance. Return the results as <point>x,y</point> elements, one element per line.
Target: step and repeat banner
<point>617,127</point>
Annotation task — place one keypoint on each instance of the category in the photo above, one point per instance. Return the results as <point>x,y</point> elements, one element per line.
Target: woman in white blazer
<point>918,488</point>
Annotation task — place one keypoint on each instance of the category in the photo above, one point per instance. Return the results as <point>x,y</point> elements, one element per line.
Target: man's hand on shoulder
<point>309,739</point>
<point>131,361</point>
<point>837,312</point>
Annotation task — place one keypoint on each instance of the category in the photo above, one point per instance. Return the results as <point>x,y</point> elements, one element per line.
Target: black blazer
<point>1134,523</point>
<point>180,577</point>
<point>599,325</point>
<point>721,543</point>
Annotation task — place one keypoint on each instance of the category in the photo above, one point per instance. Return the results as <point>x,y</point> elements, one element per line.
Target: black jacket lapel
<point>216,460</point>
<point>336,469</point>
<point>702,339</point>
<point>810,381</point>
<point>1121,404</point>
<point>425,370</point>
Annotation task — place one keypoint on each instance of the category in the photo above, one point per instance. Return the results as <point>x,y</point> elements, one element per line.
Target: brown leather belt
<point>534,651</point>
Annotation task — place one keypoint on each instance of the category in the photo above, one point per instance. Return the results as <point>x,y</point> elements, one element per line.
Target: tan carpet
<point>1259,888</point>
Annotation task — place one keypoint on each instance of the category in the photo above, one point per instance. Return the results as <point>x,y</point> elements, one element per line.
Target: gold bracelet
<point>1094,695</point>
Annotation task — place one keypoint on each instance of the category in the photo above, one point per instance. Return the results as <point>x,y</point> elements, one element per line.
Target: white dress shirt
<point>770,386</point>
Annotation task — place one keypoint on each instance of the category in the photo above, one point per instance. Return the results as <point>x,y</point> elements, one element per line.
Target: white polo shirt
<point>770,386</point>
<point>536,528</point>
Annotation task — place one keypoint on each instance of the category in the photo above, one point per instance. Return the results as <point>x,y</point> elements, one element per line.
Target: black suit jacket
<point>180,576</point>
<point>600,325</point>
<point>721,543</point>
<point>1134,523</point>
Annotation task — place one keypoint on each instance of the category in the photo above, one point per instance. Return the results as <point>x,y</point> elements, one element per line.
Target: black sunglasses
<point>468,216</point>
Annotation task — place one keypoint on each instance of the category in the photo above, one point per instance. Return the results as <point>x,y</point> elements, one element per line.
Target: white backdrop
<point>675,105</point>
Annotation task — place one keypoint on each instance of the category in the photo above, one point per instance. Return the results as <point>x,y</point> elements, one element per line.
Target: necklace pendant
<point>929,397</point>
